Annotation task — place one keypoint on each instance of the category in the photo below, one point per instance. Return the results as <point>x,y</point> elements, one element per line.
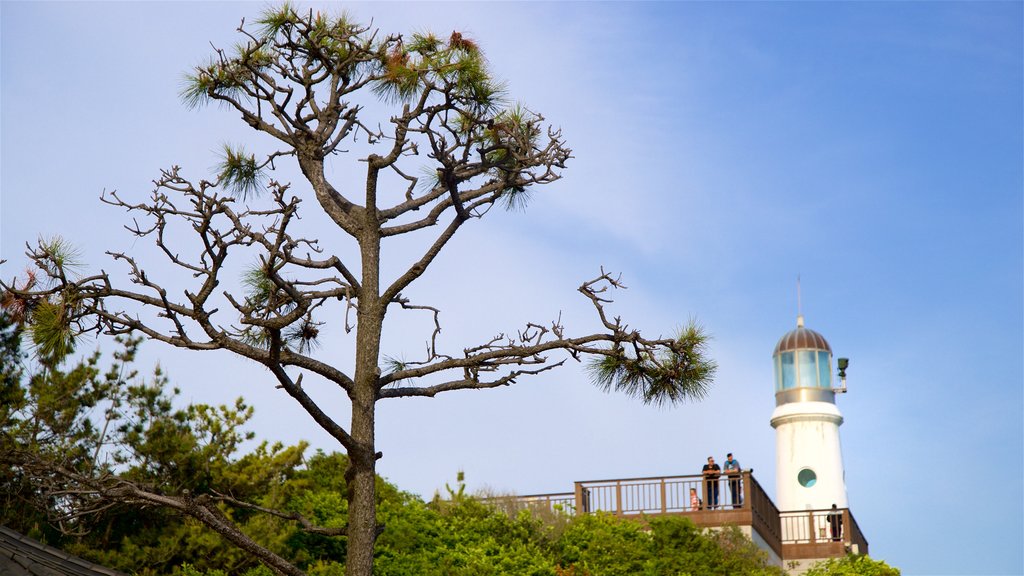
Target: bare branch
<point>464,384</point>
<point>294,388</point>
<point>304,522</point>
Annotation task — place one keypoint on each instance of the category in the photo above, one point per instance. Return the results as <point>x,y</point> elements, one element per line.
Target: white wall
<point>807,436</point>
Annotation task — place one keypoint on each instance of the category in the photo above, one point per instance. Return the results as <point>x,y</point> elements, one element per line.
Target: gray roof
<point>23,556</point>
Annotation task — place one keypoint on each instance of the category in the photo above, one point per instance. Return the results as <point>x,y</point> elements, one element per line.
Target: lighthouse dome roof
<point>801,338</point>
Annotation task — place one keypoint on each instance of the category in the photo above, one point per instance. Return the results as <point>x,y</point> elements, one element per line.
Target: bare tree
<point>449,152</point>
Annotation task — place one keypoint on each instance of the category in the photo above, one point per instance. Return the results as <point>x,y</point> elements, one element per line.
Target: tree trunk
<point>361,475</point>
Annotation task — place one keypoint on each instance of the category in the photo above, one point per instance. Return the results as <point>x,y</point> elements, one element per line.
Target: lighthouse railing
<point>824,526</point>
<point>856,537</point>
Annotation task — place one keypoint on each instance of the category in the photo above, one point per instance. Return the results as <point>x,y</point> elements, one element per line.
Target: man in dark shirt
<point>835,522</point>
<point>732,470</point>
<point>711,472</point>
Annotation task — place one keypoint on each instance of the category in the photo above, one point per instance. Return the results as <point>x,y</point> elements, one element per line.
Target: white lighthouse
<point>809,460</point>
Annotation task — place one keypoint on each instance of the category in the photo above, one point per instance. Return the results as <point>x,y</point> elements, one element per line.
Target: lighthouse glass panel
<point>824,370</point>
<point>788,370</point>
<point>807,372</point>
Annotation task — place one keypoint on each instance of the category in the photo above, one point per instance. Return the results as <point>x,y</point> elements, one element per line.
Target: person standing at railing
<point>711,472</point>
<point>732,470</point>
<point>835,523</point>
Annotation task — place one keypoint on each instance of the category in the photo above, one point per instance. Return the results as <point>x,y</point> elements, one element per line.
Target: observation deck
<point>804,535</point>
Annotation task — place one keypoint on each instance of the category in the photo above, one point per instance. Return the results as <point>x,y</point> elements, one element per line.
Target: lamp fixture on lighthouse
<point>841,364</point>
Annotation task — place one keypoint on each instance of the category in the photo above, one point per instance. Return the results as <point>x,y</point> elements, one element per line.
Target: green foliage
<point>63,258</point>
<point>51,328</point>
<point>456,66</point>
<point>600,544</point>
<point>45,413</point>
<point>12,395</point>
<point>681,373</point>
<point>682,548</point>
<point>511,135</point>
<point>217,77</point>
<point>101,422</point>
<point>274,20</point>
<point>240,173</point>
<point>50,315</point>
<point>319,41</point>
<point>15,489</point>
<point>852,565</point>
<point>190,570</point>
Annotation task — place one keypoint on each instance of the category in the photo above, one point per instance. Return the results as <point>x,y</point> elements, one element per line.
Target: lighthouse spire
<point>799,305</point>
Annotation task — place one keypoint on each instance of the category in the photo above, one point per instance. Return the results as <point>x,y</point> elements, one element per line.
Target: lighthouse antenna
<point>799,305</point>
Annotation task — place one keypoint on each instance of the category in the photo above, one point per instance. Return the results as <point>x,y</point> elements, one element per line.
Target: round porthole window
<point>807,477</point>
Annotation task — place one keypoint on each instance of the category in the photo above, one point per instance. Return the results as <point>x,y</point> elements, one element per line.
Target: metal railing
<point>821,526</point>
<point>764,513</point>
<point>560,503</point>
<point>663,494</point>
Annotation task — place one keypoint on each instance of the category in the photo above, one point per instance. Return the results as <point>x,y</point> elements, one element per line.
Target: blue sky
<point>721,150</point>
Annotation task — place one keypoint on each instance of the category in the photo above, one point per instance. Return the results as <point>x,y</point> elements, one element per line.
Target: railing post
<point>581,506</point>
<point>664,504</point>
<point>814,530</point>
<point>844,528</point>
<point>618,498</point>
